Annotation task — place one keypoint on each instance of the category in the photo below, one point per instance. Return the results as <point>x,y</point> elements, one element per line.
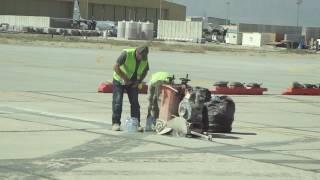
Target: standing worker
<point>157,79</point>
<point>129,71</point>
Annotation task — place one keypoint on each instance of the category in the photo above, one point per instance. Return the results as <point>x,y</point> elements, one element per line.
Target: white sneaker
<point>115,127</point>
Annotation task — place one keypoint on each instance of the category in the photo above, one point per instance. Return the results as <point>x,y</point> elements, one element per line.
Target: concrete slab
<point>163,167</point>
<point>28,145</point>
<point>55,126</point>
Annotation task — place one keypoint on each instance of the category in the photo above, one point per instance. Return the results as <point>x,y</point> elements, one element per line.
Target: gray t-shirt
<point>122,59</point>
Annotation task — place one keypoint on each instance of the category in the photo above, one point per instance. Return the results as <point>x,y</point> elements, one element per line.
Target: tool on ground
<point>190,133</point>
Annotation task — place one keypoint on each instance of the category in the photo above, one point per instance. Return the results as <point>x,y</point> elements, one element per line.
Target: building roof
<point>135,3</point>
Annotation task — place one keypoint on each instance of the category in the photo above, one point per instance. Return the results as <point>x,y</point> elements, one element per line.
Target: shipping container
<point>234,38</point>
<point>32,21</point>
<point>179,30</point>
<point>257,39</point>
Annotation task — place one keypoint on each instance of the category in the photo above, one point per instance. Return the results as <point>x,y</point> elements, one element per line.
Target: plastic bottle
<point>150,123</point>
<point>131,124</point>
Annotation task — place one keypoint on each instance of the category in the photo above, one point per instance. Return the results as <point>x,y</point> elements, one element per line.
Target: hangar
<point>108,10</point>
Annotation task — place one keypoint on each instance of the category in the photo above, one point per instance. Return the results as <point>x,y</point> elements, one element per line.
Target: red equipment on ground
<point>237,89</point>
<point>302,89</point>
<point>107,87</point>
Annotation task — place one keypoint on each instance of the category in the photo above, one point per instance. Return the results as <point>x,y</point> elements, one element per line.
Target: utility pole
<point>160,9</point>
<point>228,8</point>
<point>299,2</point>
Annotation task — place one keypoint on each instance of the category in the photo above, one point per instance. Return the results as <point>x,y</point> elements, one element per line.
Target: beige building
<point>112,10</point>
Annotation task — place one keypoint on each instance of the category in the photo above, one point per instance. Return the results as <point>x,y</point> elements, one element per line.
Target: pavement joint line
<point>54,115</point>
<point>51,124</point>
<point>313,114</point>
<point>59,66</point>
<point>288,133</point>
<point>296,150</point>
<point>65,97</point>
<point>315,104</point>
<point>52,130</point>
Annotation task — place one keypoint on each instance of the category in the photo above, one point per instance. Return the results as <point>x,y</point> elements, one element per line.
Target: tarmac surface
<point>54,124</point>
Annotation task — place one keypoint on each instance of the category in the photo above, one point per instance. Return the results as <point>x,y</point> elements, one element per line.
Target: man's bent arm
<point>117,69</point>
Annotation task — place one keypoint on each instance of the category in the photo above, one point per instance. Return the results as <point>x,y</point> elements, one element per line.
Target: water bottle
<point>131,124</point>
<point>150,123</point>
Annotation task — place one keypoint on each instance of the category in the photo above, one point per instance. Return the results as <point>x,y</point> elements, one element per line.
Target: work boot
<point>115,127</point>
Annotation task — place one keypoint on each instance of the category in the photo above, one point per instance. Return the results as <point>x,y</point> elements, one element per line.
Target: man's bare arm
<point>117,69</point>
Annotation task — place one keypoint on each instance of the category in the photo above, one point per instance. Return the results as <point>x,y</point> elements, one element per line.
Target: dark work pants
<point>117,101</point>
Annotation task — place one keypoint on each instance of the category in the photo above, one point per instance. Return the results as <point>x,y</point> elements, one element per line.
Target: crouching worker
<point>157,79</point>
<point>129,71</point>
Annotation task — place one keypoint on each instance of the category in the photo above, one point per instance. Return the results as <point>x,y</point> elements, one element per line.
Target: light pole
<point>299,2</point>
<point>160,13</point>
<point>228,7</point>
